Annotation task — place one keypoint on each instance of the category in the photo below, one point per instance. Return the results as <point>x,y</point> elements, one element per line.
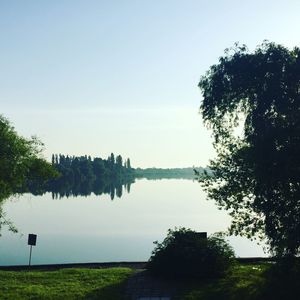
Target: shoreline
<point>105,265</point>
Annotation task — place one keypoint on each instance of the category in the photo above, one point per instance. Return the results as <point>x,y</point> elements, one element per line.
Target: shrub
<point>183,254</point>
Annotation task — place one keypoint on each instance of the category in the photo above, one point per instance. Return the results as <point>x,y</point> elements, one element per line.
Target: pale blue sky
<point>94,77</point>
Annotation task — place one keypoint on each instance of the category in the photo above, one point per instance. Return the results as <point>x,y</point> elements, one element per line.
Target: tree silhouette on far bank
<point>82,175</point>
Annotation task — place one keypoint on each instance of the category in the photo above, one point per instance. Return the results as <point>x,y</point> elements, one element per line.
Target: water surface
<point>97,229</point>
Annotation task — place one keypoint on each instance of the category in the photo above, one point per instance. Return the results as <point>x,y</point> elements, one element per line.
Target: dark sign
<point>32,239</point>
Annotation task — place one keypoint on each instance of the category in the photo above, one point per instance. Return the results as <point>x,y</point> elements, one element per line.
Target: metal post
<point>30,255</point>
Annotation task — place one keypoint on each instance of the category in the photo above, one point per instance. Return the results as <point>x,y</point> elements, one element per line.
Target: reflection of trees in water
<point>82,176</point>
<point>86,188</point>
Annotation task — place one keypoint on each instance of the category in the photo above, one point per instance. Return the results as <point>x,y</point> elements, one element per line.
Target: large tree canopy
<point>20,160</point>
<point>251,101</point>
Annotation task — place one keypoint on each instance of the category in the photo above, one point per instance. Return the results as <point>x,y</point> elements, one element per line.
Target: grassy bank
<point>244,282</point>
<point>65,284</point>
<point>260,281</point>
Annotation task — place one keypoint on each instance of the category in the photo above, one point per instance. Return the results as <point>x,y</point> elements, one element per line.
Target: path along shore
<point>97,265</point>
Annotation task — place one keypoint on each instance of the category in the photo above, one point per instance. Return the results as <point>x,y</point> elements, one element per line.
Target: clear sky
<point>95,77</point>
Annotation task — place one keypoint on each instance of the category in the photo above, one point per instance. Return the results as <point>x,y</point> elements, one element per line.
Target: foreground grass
<point>106,284</point>
<point>263,281</point>
<point>244,282</point>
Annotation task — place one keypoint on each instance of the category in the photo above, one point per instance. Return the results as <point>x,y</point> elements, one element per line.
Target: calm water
<point>96,229</point>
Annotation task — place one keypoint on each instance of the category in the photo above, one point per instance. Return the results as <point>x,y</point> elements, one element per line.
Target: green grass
<point>262,281</point>
<point>106,284</point>
<point>248,282</point>
<point>243,282</point>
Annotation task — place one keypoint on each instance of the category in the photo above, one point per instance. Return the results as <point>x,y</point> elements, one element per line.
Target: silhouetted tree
<point>20,160</point>
<point>256,175</point>
<point>119,161</point>
<point>83,175</point>
<point>119,165</point>
<point>128,166</point>
<point>112,159</point>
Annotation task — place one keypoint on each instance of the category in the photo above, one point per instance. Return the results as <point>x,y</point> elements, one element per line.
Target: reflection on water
<point>96,229</point>
<point>60,189</point>
<point>82,176</point>
<point>113,188</point>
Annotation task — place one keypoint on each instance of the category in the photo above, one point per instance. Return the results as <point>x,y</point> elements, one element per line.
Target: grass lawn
<point>248,282</point>
<point>262,281</point>
<point>106,284</point>
<point>244,282</point>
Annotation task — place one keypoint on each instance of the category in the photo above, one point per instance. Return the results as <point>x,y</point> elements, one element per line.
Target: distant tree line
<point>84,168</point>
<point>82,175</point>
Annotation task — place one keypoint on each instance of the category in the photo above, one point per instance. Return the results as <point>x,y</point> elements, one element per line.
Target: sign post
<point>31,242</point>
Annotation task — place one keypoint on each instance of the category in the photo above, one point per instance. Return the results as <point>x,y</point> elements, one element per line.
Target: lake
<point>97,229</point>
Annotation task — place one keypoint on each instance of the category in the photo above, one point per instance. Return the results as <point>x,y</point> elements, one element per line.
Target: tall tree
<point>128,165</point>
<point>20,163</point>
<point>112,159</point>
<point>20,160</point>
<point>119,161</point>
<point>256,175</point>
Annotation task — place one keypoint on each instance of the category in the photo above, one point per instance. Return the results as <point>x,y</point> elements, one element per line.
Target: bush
<point>183,254</point>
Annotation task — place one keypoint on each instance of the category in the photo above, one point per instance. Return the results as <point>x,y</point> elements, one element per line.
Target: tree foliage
<point>183,254</point>
<point>82,175</point>
<point>20,164</point>
<point>20,160</point>
<point>256,175</point>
